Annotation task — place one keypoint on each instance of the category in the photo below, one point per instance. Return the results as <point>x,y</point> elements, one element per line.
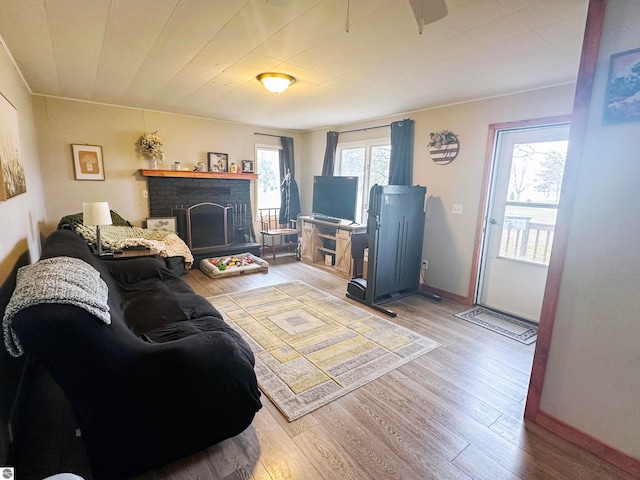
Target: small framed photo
<point>248,166</point>
<point>622,103</point>
<point>162,224</point>
<point>87,162</point>
<point>218,162</point>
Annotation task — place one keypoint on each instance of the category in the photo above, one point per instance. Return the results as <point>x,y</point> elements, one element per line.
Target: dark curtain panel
<point>330,154</point>
<point>401,161</point>
<point>287,165</point>
<point>289,196</point>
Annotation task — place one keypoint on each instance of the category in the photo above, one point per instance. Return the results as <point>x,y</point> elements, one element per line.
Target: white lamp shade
<point>96,213</point>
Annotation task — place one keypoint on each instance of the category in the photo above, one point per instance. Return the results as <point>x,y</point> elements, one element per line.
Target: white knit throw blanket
<point>167,244</point>
<point>55,280</point>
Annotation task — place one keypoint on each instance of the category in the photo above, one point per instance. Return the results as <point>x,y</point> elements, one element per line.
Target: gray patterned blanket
<point>55,280</point>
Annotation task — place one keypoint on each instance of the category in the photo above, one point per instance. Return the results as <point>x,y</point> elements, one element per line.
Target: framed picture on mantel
<point>247,166</point>
<point>217,162</point>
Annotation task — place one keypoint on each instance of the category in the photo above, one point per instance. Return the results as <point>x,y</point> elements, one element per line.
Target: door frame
<point>486,185</point>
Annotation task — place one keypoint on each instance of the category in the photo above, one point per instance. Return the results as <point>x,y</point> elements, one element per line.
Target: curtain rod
<point>346,131</point>
<point>267,134</point>
<point>365,129</point>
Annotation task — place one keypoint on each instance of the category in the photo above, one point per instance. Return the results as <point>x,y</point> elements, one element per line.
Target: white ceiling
<point>201,57</point>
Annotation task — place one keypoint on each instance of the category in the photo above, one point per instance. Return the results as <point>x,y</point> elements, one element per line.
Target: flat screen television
<point>335,197</point>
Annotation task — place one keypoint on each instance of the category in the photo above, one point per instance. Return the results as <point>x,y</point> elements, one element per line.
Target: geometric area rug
<point>311,347</point>
<point>520,330</point>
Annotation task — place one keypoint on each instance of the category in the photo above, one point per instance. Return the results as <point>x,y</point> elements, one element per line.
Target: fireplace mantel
<point>189,174</point>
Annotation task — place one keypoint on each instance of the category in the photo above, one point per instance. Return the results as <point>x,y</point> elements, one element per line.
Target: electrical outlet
<point>425,263</point>
<point>145,194</point>
<point>457,209</point>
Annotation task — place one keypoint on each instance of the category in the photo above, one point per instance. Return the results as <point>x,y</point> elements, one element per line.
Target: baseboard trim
<point>448,295</point>
<point>589,443</point>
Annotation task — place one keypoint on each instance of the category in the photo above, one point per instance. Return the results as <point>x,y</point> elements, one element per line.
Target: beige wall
<point>61,123</point>
<point>21,215</point>
<point>449,239</point>
<point>592,380</point>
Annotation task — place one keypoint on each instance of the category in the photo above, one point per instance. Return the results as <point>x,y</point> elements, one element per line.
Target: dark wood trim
<point>189,174</point>
<point>484,198</point>
<point>591,444</point>
<point>582,103</point>
<point>584,87</point>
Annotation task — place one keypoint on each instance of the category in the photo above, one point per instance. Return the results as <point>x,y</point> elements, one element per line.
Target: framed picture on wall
<point>12,176</point>
<point>622,102</point>
<point>87,162</point>
<point>217,162</point>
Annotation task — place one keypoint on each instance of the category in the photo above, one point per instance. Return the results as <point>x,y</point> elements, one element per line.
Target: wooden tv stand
<point>327,244</point>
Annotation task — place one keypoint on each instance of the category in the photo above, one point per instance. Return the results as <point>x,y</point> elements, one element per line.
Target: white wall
<point>20,216</point>
<point>62,123</point>
<point>449,239</point>
<point>592,380</point>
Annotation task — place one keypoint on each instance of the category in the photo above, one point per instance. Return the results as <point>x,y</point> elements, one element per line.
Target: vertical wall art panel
<point>12,177</point>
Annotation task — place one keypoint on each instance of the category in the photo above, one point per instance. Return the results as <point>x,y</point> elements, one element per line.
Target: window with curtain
<point>367,160</point>
<point>268,170</point>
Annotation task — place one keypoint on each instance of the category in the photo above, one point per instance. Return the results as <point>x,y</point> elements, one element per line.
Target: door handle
<point>493,221</point>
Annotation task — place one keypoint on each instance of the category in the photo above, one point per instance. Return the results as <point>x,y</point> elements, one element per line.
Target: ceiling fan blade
<point>428,11</point>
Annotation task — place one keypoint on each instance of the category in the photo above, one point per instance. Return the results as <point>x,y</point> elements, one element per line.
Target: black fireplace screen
<point>205,225</point>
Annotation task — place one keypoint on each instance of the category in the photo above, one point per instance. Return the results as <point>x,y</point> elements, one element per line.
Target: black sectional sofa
<point>166,378</point>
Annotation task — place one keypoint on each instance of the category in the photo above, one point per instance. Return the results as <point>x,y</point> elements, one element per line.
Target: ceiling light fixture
<point>276,82</point>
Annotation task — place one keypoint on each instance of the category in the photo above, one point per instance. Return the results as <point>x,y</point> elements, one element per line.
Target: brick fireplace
<point>172,192</point>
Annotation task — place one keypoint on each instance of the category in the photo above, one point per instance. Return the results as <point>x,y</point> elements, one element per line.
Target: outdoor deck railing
<point>526,240</point>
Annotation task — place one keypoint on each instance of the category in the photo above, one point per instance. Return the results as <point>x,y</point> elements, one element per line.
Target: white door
<point>523,203</point>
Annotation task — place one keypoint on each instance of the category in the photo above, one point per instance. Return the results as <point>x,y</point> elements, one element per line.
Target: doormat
<point>311,347</point>
<point>520,330</point>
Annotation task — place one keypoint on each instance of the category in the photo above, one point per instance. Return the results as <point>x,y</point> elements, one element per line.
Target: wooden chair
<point>271,228</point>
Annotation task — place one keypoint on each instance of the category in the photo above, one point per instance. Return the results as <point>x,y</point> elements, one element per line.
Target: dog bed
<point>237,264</point>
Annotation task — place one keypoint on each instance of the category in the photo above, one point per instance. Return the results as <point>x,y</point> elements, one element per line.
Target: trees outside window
<point>369,161</point>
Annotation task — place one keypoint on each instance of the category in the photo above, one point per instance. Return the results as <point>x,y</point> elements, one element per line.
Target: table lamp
<point>96,213</point>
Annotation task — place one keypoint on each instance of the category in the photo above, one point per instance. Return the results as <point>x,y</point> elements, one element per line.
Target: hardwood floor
<point>454,413</point>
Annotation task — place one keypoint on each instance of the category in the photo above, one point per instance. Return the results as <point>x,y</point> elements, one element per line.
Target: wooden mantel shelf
<point>189,174</point>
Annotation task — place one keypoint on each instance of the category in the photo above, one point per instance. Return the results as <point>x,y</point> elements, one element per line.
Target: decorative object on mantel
<point>149,145</point>
<point>218,162</point>
<point>200,167</point>
<point>247,166</point>
<point>443,147</point>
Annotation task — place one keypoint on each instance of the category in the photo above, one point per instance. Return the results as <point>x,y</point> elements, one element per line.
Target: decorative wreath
<point>444,137</point>
<point>443,147</point>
